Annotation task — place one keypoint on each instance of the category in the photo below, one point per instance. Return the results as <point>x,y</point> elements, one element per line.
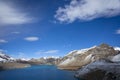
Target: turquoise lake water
<point>42,72</point>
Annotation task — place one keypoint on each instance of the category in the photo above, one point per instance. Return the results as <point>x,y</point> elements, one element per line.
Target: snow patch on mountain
<point>24,59</point>
<point>88,57</point>
<point>4,57</point>
<point>116,58</point>
<point>81,51</point>
<point>1,59</point>
<point>69,60</point>
<point>117,48</point>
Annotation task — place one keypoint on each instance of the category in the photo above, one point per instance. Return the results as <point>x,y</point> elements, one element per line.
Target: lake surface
<point>40,72</point>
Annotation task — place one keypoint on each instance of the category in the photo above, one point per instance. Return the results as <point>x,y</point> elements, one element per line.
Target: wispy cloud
<point>52,51</point>
<point>88,10</point>
<point>118,31</point>
<point>20,55</point>
<point>3,41</point>
<point>1,50</point>
<point>15,32</point>
<point>9,14</point>
<point>47,52</point>
<point>31,38</point>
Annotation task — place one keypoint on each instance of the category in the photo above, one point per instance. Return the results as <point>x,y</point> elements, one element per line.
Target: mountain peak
<point>104,45</point>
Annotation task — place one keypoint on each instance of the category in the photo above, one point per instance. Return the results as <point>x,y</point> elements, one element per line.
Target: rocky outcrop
<point>78,58</point>
<point>100,70</point>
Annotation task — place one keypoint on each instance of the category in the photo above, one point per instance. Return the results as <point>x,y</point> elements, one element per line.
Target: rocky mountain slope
<point>79,58</point>
<point>100,70</point>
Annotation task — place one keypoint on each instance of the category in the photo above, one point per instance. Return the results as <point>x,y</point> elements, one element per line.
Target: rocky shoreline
<point>100,70</point>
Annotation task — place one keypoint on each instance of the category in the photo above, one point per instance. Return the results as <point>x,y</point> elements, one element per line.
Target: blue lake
<point>42,72</point>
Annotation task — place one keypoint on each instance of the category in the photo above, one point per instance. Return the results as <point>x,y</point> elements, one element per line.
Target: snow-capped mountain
<point>81,51</point>
<point>4,57</point>
<point>78,58</point>
<point>23,59</point>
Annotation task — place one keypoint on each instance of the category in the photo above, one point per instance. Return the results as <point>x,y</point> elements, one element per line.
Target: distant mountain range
<point>101,51</point>
<point>4,58</point>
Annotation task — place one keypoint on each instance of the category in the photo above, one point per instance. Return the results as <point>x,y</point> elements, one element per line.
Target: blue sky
<point>38,28</point>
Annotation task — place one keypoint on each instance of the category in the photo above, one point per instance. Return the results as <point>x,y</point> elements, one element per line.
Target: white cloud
<point>9,14</point>
<point>52,51</point>
<point>47,52</point>
<point>3,41</point>
<point>88,10</point>
<point>32,38</point>
<point>118,31</point>
<point>15,32</point>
